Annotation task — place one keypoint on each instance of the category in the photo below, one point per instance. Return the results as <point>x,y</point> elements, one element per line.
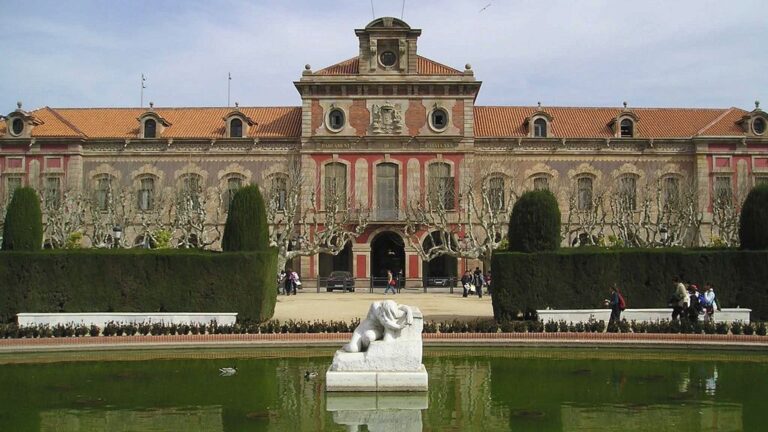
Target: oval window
<point>17,127</point>
<point>388,58</point>
<point>336,119</point>
<point>758,125</point>
<point>439,119</point>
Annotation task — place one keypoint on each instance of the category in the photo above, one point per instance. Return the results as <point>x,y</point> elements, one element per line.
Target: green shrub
<point>535,223</point>
<point>23,230</point>
<point>138,280</point>
<point>753,224</point>
<point>579,278</point>
<point>246,228</point>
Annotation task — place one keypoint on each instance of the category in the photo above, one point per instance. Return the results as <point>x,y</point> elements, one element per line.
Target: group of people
<point>473,282</point>
<point>288,282</point>
<point>689,302</point>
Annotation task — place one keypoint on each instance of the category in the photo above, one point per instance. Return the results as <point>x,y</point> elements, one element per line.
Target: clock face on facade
<point>388,58</point>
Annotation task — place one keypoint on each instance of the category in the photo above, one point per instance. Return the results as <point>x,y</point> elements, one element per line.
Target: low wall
<point>102,318</point>
<point>659,314</point>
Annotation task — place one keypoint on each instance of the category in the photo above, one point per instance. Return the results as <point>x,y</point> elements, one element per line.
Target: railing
<point>379,284</point>
<point>440,282</point>
<point>386,214</point>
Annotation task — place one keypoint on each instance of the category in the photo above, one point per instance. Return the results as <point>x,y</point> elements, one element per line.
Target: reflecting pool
<point>470,390</point>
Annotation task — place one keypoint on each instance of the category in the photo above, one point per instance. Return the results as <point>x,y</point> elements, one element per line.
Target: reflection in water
<point>202,419</point>
<point>378,411</point>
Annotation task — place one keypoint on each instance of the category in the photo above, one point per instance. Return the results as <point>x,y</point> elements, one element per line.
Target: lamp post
<point>664,233</point>
<point>117,235</point>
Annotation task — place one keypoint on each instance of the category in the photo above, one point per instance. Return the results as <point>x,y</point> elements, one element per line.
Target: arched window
<point>540,128</point>
<point>335,196</point>
<point>723,191</point>
<point>191,191</point>
<point>541,182</point>
<point>52,192</point>
<point>17,127</point>
<point>146,194</point>
<point>387,191</point>
<point>279,192</point>
<point>627,128</point>
<point>150,128</point>
<point>628,192</point>
<point>584,189</point>
<point>233,184</point>
<point>758,126</point>
<point>496,196</point>
<point>441,186</point>
<point>671,190</point>
<point>103,194</point>
<point>236,128</point>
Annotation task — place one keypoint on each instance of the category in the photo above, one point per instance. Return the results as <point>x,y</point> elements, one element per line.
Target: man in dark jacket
<point>479,282</point>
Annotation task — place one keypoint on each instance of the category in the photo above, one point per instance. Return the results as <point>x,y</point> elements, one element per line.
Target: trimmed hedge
<point>753,224</point>
<point>108,280</point>
<point>535,223</point>
<point>246,228</point>
<point>579,278</point>
<point>23,229</point>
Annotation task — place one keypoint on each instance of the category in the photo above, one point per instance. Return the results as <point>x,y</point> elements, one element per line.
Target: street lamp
<point>118,233</point>
<point>664,233</point>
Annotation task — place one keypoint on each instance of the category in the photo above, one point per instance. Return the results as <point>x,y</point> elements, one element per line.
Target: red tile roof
<point>579,122</point>
<point>271,122</point>
<point>424,66</point>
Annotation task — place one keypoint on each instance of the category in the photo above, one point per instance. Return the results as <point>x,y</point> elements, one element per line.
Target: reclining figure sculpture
<point>384,321</point>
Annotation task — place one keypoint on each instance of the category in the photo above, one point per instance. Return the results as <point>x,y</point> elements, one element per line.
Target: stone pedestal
<point>378,412</point>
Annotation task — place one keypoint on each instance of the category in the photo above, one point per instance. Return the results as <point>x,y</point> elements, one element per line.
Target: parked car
<point>342,280</point>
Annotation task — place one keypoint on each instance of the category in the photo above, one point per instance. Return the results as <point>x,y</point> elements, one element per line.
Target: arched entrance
<point>340,262</point>
<point>437,271</point>
<point>387,253</point>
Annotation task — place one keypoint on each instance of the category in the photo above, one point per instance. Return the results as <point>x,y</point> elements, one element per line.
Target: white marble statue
<point>384,353</point>
<point>384,321</point>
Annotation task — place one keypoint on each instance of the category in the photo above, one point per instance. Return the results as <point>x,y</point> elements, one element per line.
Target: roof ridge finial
<point>625,104</point>
<point>18,104</point>
<point>151,105</point>
<point>237,104</point>
<point>539,104</point>
<point>757,104</point>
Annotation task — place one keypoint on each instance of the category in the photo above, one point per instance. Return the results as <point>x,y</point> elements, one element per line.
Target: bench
<point>660,314</point>
<point>101,319</point>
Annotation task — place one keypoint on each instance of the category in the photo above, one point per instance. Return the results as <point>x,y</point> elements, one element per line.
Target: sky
<point>650,53</point>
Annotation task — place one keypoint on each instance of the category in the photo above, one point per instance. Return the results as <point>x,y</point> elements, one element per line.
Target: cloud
<point>651,53</point>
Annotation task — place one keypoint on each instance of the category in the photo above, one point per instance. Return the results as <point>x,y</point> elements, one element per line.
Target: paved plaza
<point>310,306</point>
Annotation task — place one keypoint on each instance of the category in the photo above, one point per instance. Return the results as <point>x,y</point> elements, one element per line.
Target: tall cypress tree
<point>753,224</point>
<point>535,223</point>
<point>23,229</point>
<point>246,228</point>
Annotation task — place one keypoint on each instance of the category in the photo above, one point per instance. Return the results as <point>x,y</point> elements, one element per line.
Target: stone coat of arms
<point>386,119</point>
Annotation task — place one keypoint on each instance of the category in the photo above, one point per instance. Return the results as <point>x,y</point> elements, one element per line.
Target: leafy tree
<point>246,228</point>
<point>753,226</point>
<point>535,223</point>
<point>23,228</point>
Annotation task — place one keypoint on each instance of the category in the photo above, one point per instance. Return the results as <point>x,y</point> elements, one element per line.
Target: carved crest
<point>386,119</point>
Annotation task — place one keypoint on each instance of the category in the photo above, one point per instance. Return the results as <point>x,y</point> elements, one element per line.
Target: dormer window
<point>150,128</point>
<point>438,119</point>
<point>540,128</point>
<point>17,126</point>
<point>758,126</point>
<point>627,128</point>
<point>336,120</point>
<point>236,128</point>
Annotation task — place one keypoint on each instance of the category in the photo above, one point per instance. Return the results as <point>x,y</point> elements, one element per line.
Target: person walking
<point>289,287</point>
<point>390,283</point>
<point>281,282</point>
<point>400,280</point>
<point>694,303</point>
<point>679,300</point>
<point>479,282</point>
<point>614,301</point>
<point>709,303</point>
<point>296,281</point>
<point>466,282</point>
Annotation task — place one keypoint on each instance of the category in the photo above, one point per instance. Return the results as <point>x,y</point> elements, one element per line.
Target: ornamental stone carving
<point>386,119</point>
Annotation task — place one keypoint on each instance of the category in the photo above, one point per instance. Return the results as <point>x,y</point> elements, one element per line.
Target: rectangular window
<point>723,193</point>
<point>103,192</point>
<point>671,190</point>
<point>628,192</point>
<point>335,186</point>
<point>441,186</point>
<point>761,180</point>
<point>11,184</point>
<point>584,193</point>
<point>52,192</point>
<point>279,192</point>
<point>540,183</point>
<point>193,190</point>
<point>496,193</point>
<point>147,194</point>
<point>233,185</point>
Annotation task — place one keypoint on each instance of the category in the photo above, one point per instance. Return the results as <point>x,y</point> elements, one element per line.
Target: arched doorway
<point>341,262</point>
<point>387,253</point>
<point>437,271</point>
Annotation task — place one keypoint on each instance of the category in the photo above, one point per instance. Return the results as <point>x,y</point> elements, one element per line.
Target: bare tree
<point>726,210</point>
<point>587,216</point>
<point>63,216</point>
<point>196,216</point>
<point>300,227</point>
<point>474,230</point>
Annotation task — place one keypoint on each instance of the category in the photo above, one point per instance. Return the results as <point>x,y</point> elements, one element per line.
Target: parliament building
<point>382,129</point>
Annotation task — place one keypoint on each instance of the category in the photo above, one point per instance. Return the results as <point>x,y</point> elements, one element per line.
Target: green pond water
<point>469,390</point>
